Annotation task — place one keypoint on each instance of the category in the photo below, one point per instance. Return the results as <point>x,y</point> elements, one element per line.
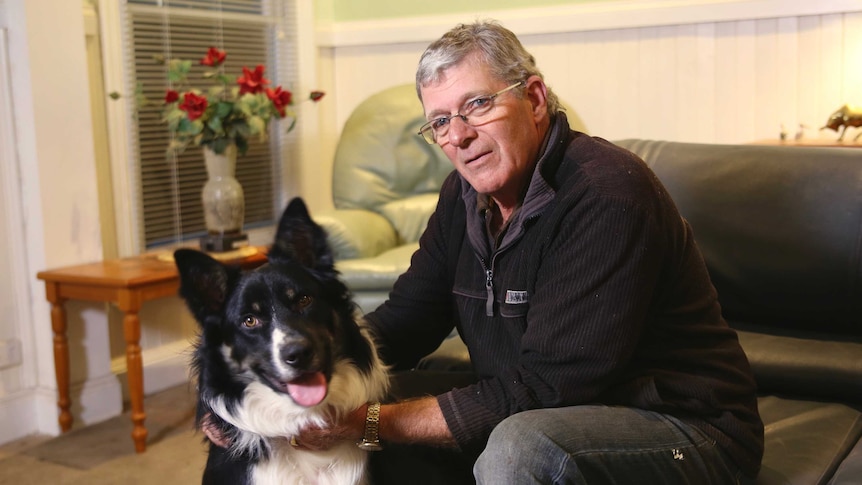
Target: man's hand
<point>213,433</point>
<point>350,428</point>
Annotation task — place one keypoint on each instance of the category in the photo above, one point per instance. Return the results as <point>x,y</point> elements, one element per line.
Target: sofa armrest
<point>356,233</point>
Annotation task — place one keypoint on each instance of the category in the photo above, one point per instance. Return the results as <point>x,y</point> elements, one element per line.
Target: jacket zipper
<point>489,287</point>
<point>489,273</point>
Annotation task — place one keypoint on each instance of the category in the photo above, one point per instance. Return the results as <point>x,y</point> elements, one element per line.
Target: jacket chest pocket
<point>511,293</point>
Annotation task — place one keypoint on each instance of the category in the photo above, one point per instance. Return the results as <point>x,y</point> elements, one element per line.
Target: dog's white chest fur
<point>344,464</point>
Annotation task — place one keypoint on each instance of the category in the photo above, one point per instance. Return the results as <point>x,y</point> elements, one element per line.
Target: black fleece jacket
<point>596,294</point>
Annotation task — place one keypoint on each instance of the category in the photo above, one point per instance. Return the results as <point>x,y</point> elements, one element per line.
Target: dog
<point>280,348</point>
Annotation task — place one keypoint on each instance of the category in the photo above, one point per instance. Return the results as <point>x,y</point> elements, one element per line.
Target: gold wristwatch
<point>371,439</point>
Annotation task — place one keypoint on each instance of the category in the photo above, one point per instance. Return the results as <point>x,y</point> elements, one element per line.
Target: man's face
<point>495,156</point>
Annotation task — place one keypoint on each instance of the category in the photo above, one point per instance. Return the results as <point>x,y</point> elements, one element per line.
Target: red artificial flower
<point>252,81</point>
<point>214,57</point>
<point>316,95</point>
<point>171,96</point>
<point>194,105</point>
<point>280,99</point>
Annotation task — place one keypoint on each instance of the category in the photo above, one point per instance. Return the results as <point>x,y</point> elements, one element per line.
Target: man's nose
<point>460,131</point>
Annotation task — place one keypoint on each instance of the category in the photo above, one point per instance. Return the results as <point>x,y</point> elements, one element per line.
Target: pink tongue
<point>308,390</point>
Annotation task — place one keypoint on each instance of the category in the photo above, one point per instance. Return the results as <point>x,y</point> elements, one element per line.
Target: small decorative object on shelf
<point>845,116</point>
<point>223,203</point>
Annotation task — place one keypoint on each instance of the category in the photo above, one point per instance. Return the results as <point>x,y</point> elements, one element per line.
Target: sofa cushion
<point>788,363</point>
<point>376,272</point>
<point>409,216</point>
<point>850,471</point>
<point>357,233</point>
<point>805,441</point>
<point>380,158</point>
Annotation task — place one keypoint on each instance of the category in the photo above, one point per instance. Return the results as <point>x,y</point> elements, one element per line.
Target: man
<point>592,325</point>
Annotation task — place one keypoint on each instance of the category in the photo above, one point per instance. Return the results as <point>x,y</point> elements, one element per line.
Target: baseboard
<point>17,418</point>
<point>34,411</point>
<point>164,367</point>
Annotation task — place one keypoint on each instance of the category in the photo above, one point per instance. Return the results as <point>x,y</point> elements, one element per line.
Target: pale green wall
<point>348,10</point>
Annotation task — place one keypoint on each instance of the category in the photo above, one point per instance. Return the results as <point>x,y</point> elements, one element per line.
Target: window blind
<point>170,186</point>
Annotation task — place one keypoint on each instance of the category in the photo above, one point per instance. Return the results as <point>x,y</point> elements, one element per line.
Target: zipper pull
<point>489,287</point>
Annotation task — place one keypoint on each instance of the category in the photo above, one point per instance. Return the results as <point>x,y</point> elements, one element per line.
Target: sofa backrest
<point>382,165</point>
<point>780,228</point>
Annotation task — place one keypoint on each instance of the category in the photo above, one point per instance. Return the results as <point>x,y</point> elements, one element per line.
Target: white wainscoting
<point>725,72</point>
<point>13,295</point>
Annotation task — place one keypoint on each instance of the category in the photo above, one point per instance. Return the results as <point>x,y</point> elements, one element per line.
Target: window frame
<point>115,20</point>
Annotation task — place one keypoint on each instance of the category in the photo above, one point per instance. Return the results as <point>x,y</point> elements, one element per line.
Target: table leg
<point>61,360</point>
<point>135,372</point>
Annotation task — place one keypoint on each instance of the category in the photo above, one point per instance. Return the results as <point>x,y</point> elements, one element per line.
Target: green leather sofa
<point>384,185</point>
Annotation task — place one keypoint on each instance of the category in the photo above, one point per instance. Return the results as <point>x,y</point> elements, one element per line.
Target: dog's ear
<point>301,240</point>
<point>204,282</point>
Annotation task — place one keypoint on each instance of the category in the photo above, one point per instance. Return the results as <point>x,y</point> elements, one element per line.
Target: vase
<point>223,202</point>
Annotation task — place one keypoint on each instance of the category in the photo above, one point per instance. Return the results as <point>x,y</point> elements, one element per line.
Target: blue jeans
<point>598,444</point>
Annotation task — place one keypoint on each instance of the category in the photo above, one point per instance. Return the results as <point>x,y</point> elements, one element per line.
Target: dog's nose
<point>297,354</point>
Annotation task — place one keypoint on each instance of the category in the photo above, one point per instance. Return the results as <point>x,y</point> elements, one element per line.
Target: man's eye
<point>478,103</point>
<point>439,123</point>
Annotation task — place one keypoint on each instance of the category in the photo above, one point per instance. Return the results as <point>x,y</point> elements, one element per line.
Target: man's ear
<point>537,93</point>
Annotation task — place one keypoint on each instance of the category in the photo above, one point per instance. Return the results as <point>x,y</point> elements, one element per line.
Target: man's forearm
<point>416,421</point>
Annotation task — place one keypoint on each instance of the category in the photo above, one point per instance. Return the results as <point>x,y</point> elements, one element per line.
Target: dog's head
<point>286,323</point>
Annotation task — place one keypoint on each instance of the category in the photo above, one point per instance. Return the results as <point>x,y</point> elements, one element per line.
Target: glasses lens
<point>479,106</point>
<point>427,133</point>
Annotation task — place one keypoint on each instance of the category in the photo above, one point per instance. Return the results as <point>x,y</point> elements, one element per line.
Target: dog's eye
<point>250,321</point>
<point>303,302</point>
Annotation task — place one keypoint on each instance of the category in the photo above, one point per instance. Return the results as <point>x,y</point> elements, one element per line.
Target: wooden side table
<point>127,283</point>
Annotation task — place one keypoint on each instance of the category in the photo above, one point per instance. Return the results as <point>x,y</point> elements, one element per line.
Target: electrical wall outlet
<point>10,353</point>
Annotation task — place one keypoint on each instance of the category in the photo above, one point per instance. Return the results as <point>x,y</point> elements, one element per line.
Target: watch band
<point>371,439</point>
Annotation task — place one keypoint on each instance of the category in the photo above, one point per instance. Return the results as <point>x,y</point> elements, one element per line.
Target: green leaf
<point>244,105</point>
<point>223,109</point>
<point>240,127</point>
<point>177,144</point>
<point>178,70</point>
<point>241,145</point>
<point>256,125</point>
<point>190,127</point>
<point>215,93</point>
<point>215,124</point>
<point>219,144</point>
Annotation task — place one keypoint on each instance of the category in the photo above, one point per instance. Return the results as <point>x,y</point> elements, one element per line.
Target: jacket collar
<point>539,192</point>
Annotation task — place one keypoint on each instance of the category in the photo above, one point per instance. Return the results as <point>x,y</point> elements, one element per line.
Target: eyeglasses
<point>437,129</point>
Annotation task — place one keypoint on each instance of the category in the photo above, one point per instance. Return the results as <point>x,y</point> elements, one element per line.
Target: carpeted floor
<point>104,454</point>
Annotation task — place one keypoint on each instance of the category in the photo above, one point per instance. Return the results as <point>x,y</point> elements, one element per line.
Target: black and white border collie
<point>280,348</point>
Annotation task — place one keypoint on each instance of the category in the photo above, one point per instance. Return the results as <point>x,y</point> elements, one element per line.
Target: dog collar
<point>371,439</point>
